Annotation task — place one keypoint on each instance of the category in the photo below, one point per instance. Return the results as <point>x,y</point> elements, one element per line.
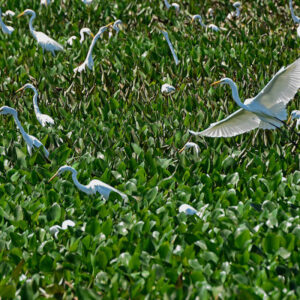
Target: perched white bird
<point>175,5</point>
<point>82,32</point>
<point>30,140</point>
<point>6,29</point>
<point>43,40</point>
<point>8,13</point>
<point>42,118</point>
<point>295,18</point>
<point>210,26</point>
<point>267,110</point>
<point>295,115</point>
<point>167,89</point>
<point>89,62</point>
<point>93,187</point>
<point>191,145</point>
<point>189,210</point>
<point>237,5</point>
<point>170,46</point>
<point>54,230</point>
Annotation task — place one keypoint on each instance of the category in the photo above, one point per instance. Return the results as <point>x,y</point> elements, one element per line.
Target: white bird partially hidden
<point>87,2</point>
<point>42,118</point>
<point>295,18</point>
<point>170,46</point>
<point>190,210</point>
<point>30,140</point>
<point>191,145</point>
<point>116,28</point>
<point>43,40</point>
<point>235,14</point>
<point>9,13</point>
<point>95,186</point>
<point>54,230</point>
<point>267,110</point>
<point>295,115</point>
<point>174,5</point>
<point>82,33</point>
<point>210,26</point>
<point>89,62</point>
<point>6,29</point>
<point>45,2</point>
<point>167,88</point>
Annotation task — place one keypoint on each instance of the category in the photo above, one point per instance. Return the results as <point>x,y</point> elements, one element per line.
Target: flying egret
<point>167,89</point>
<point>43,40</point>
<point>295,115</point>
<point>8,13</point>
<point>42,118</point>
<point>6,29</point>
<point>82,32</point>
<point>189,210</point>
<point>30,140</point>
<point>235,14</point>
<point>191,145</point>
<point>267,110</point>
<point>89,62</point>
<point>175,5</point>
<point>170,46</point>
<point>295,18</point>
<point>54,230</point>
<point>210,26</point>
<point>93,187</point>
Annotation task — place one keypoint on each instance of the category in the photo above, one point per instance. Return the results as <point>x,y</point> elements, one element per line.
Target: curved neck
<point>238,12</point>
<point>235,95</point>
<point>92,46</point>
<point>19,125</point>
<point>35,104</point>
<point>32,31</point>
<point>295,19</point>
<point>80,186</point>
<point>201,23</point>
<point>81,36</point>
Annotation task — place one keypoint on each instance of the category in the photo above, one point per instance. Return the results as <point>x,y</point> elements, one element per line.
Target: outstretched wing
<point>237,123</point>
<point>282,87</point>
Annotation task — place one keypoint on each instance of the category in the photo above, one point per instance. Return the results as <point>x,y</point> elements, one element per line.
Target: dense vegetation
<point>114,124</point>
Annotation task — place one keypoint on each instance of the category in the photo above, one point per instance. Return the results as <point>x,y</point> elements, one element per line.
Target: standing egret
<point>54,230</point>
<point>191,145</point>
<point>267,110</point>
<point>43,40</point>
<point>82,32</point>
<point>295,18</point>
<point>42,118</point>
<point>210,26</point>
<point>93,187</point>
<point>237,5</point>
<point>175,5</point>
<point>30,140</point>
<point>6,29</point>
<point>89,62</point>
<point>295,115</point>
<point>170,46</point>
<point>8,13</point>
<point>167,89</point>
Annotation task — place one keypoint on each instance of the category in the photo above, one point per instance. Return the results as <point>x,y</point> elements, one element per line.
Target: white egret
<point>43,40</point>
<point>191,145</point>
<point>82,32</point>
<point>175,5</point>
<point>210,12</point>
<point>295,18</point>
<point>237,5</point>
<point>170,46</point>
<point>89,62</point>
<point>295,115</point>
<point>54,230</point>
<point>267,110</point>
<point>116,27</point>
<point>45,2</point>
<point>8,13</point>
<point>167,89</point>
<point>93,187</point>
<point>189,210</point>
<point>30,140</point>
<point>210,26</point>
<point>42,118</point>
<point>6,29</point>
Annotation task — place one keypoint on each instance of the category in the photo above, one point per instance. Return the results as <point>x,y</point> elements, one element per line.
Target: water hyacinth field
<point>219,221</point>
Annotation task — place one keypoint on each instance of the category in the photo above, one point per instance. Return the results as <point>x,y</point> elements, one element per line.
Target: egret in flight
<point>93,187</point>
<point>89,62</point>
<point>175,5</point>
<point>82,32</point>
<point>30,140</point>
<point>170,46</point>
<point>54,230</point>
<point>43,40</point>
<point>42,118</point>
<point>267,110</point>
<point>167,89</point>
<point>237,5</point>
<point>210,26</point>
<point>6,29</point>
<point>191,145</point>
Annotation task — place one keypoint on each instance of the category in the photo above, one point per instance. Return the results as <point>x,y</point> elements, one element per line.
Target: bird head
<point>196,17</point>
<point>237,4</point>
<point>6,110</point>
<point>62,170</point>
<point>88,31</point>
<point>223,81</point>
<point>25,87</point>
<point>27,12</point>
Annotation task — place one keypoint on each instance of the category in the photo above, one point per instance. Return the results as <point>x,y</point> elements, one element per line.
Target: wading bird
<point>6,29</point>
<point>170,46</point>
<point>175,5</point>
<point>42,118</point>
<point>30,140</point>
<point>167,89</point>
<point>82,32</point>
<point>54,230</point>
<point>267,110</point>
<point>190,145</point>
<point>295,115</point>
<point>93,187</point>
<point>237,11</point>
<point>89,62</point>
<point>210,26</point>
<point>43,40</point>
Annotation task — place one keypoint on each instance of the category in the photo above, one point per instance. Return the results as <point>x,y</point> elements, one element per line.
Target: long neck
<point>295,19</point>
<point>19,125</point>
<point>167,4</point>
<point>32,31</point>
<point>35,104</point>
<point>80,186</point>
<point>238,12</point>
<point>172,50</point>
<point>235,95</point>
<point>92,46</point>
<point>201,23</point>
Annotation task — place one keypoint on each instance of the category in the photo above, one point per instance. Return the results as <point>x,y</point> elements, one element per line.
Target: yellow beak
<point>20,15</point>
<point>289,120</point>
<point>109,24</point>
<point>19,90</point>
<point>92,35</point>
<point>217,82</point>
<point>181,149</point>
<point>53,177</point>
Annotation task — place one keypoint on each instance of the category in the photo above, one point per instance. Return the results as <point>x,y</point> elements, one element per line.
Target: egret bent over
<point>6,29</point>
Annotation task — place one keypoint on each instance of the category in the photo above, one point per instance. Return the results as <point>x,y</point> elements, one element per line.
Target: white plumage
<point>174,5</point>
<point>30,140</point>
<point>171,47</point>
<point>43,40</point>
<point>87,2</point>
<point>167,89</point>
<point>95,186</point>
<point>295,115</point>
<point>237,12</point>
<point>45,2</point>
<point>6,29</point>
<point>294,17</point>
<point>8,13</point>
<point>210,26</point>
<point>266,111</point>
<point>82,32</point>
<point>191,145</point>
<point>54,230</point>
<point>42,118</point>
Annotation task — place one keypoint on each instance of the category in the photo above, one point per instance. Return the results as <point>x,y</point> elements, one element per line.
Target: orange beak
<point>216,82</point>
<point>53,177</point>
<point>181,149</point>
<point>19,90</point>
<point>20,15</point>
